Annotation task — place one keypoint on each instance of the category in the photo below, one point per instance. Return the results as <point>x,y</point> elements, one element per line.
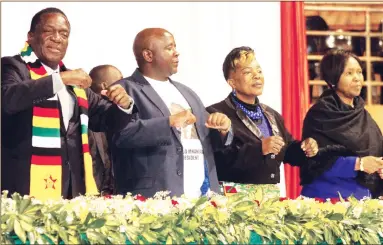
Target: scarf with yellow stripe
<point>46,162</point>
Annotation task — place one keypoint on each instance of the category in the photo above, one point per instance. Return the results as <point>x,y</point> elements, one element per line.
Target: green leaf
<point>346,239</point>
<point>372,238</point>
<point>26,226</point>
<point>54,208</point>
<point>280,235</point>
<point>62,216</point>
<point>157,226</point>
<point>169,240</point>
<point>328,236</point>
<point>63,235</point>
<point>98,223</point>
<point>355,235</point>
<point>117,238</point>
<point>76,240</point>
<point>87,219</point>
<point>335,216</point>
<point>149,236</point>
<point>32,209</point>
<point>11,223</point>
<point>26,218</point>
<point>244,205</point>
<point>19,231</point>
<point>201,201</point>
<point>4,218</point>
<point>95,237</point>
<point>16,196</point>
<point>112,222</point>
<point>147,219</point>
<point>211,238</point>
<point>24,203</point>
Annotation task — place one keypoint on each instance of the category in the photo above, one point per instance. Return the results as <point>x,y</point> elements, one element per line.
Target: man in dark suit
<point>168,145</point>
<point>102,77</point>
<point>45,111</point>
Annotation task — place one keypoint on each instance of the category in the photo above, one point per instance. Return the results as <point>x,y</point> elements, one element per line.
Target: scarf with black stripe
<point>46,162</point>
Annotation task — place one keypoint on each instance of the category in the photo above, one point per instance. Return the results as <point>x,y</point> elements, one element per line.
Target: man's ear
<point>30,37</point>
<point>231,83</point>
<point>148,55</point>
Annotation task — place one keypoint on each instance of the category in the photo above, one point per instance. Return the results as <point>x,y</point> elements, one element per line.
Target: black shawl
<point>341,130</point>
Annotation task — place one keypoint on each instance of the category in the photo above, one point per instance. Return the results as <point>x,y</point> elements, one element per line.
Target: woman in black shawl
<point>352,143</point>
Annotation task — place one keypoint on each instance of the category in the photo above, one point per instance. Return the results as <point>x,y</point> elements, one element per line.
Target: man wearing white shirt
<point>169,143</point>
<point>35,80</point>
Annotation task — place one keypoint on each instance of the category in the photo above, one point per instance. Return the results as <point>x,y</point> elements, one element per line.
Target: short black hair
<point>37,17</point>
<point>228,64</point>
<point>333,63</point>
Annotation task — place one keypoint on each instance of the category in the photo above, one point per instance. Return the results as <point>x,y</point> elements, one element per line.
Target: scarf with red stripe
<point>46,162</point>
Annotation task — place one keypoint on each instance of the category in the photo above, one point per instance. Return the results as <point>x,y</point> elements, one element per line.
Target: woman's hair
<point>240,54</point>
<point>333,63</point>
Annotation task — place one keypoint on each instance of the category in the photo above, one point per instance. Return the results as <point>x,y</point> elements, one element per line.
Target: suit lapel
<point>196,110</point>
<point>76,111</point>
<point>245,120</point>
<point>153,96</point>
<point>150,93</point>
<point>270,117</point>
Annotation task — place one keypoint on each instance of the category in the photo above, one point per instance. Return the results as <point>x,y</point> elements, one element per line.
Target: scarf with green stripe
<point>46,162</point>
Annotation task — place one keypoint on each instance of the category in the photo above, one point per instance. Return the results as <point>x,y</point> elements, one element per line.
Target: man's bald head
<point>144,40</point>
<point>103,76</point>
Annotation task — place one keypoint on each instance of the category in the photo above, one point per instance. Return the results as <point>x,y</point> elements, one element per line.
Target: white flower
<point>122,229</point>
<point>69,219</point>
<point>161,195</point>
<point>357,211</point>
<point>40,230</point>
<point>36,201</point>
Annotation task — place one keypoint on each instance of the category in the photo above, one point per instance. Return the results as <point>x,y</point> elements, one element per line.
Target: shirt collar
<point>50,70</point>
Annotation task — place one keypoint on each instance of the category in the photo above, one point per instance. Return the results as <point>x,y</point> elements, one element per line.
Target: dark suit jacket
<point>150,153</point>
<point>102,162</point>
<point>243,161</point>
<point>19,93</point>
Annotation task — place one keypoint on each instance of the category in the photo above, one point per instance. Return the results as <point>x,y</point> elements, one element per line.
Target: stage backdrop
<point>103,33</point>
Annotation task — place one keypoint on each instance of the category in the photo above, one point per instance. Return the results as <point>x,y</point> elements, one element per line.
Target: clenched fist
<point>77,78</point>
<point>182,119</point>
<point>219,121</point>
<point>272,144</point>
<point>310,147</point>
<point>117,94</point>
<point>371,164</point>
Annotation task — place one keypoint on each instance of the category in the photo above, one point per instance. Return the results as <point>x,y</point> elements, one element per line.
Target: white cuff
<point>130,109</point>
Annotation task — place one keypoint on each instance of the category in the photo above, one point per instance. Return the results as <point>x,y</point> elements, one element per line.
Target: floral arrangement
<point>214,218</point>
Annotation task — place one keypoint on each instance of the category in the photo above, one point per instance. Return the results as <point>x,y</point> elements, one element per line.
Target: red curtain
<point>295,97</point>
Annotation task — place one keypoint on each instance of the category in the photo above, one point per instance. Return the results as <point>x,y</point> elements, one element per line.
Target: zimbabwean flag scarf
<point>46,162</point>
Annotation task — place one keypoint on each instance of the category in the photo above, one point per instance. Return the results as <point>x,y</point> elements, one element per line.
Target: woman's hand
<point>369,164</point>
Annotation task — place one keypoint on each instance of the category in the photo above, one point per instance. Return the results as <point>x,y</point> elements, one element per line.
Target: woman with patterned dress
<point>261,141</point>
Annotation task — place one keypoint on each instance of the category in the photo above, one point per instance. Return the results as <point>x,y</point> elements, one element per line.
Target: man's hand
<point>310,147</point>
<point>182,119</point>
<point>371,164</point>
<point>219,121</point>
<point>272,144</point>
<point>77,78</point>
<point>117,94</point>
